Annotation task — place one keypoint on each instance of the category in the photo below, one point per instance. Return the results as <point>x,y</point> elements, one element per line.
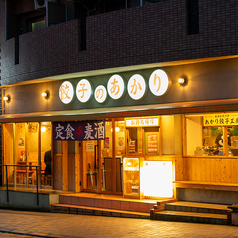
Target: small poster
<point>120,143</point>
<point>21,142</point>
<point>152,146</point>
<point>132,146</point>
<point>106,143</point>
<point>90,146</point>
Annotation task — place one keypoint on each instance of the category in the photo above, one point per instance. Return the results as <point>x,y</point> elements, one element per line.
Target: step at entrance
<point>103,205</point>
<point>192,212</point>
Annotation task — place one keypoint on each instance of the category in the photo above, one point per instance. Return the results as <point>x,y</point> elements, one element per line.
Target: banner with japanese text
<point>78,131</point>
<point>222,119</point>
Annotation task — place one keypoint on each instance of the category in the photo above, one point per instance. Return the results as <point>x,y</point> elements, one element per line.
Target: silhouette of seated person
<point>47,160</point>
<point>219,141</point>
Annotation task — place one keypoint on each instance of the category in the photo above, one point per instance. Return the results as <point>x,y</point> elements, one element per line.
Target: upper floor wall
<point>148,34</point>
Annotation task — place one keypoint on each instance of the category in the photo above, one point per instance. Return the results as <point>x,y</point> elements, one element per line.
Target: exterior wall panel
<point>141,35</point>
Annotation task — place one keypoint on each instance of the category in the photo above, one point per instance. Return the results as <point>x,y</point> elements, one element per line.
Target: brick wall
<point>141,35</point>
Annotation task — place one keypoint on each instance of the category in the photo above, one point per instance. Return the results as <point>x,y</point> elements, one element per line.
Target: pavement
<point>43,224</point>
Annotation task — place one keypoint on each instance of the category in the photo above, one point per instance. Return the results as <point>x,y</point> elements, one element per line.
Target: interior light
<point>43,129</point>
<point>181,80</point>
<point>117,129</point>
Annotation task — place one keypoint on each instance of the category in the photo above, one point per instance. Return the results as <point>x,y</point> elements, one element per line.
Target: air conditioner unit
<point>39,4</point>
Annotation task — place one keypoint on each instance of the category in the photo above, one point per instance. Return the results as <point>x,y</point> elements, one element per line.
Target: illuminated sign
<point>161,172</point>
<point>83,90</point>
<point>66,92</point>
<point>100,94</point>
<point>154,121</point>
<point>222,119</point>
<point>158,82</point>
<point>115,86</point>
<point>136,87</point>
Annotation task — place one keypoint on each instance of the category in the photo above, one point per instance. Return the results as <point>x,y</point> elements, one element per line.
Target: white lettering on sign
<point>115,86</point>
<point>100,94</point>
<point>136,87</point>
<point>83,90</point>
<point>66,92</point>
<point>158,82</point>
<point>142,122</point>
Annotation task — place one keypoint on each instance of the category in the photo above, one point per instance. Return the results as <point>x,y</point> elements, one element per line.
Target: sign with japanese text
<point>78,131</point>
<point>143,122</point>
<point>83,90</point>
<point>66,92</point>
<point>115,86</point>
<point>222,119</point>
<point>158,82</point>
<point>100,94</point>
<point>136,87</point>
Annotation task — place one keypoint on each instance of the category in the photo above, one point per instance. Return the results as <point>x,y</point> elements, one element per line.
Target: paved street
<point>36,224</point>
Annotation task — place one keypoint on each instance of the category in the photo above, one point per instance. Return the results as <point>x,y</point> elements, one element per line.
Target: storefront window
<point>134,140</point>
<point>46,157</point>
<point>209,140</point>
<point>8,149</point>
<point>21,148</point>
<point>120,151</point>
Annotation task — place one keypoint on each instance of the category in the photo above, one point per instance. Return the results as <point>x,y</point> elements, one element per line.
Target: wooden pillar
<point>65,179</point>
<point>99,170</point>
<point>184,134</point>
<point>225,141</point>
<point>113,158</point>
<point>77,166</point>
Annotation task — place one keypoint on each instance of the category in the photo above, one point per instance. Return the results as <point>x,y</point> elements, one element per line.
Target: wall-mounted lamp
<point>45,94</point>
<point>181,80</point>
<point>5,98</point>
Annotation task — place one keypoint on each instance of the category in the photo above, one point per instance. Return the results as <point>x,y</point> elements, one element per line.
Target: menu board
<point>132,146</point>
<point>152,143</point>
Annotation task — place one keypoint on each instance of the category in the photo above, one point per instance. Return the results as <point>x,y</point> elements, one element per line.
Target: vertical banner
<point>78,131</point>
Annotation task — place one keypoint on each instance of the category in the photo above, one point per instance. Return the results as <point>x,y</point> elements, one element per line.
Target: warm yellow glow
<point>117,129</point>
<point>44,94</point>
<point>181,80</point>
<point>43,129</point>
<point>5,98</point>
<point>156,179</point>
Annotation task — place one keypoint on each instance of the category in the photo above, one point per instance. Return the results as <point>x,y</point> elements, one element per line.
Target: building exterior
<point>132,98</point>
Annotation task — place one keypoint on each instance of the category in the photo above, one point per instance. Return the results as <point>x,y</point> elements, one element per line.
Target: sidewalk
<point>42,224</point>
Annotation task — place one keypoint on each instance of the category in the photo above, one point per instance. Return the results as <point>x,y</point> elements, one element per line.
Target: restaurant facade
<point>152,119</point>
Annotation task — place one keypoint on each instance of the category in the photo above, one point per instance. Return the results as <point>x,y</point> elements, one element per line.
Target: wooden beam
<point>65,179</point>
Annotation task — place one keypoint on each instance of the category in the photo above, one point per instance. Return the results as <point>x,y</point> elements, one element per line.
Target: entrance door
<point>102,160</point>
<point>90,165</point>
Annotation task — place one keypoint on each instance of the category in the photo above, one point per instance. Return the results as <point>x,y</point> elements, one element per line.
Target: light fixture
<point>6,98</point>
<point>117,129</point>
<point>43,129</point>
<point>44,94</point>
<point>181,80</point>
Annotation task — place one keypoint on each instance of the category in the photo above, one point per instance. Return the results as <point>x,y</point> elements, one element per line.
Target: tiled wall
<point>141,35</point>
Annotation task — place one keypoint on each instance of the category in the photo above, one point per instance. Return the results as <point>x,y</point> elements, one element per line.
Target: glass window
<point>209,141</point>
<point>106,158</point>
<point>46,154</point>
<point>134,145</point>
<point>8,151</point>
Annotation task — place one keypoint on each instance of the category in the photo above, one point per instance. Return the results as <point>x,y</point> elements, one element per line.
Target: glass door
<point>90,165</point>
